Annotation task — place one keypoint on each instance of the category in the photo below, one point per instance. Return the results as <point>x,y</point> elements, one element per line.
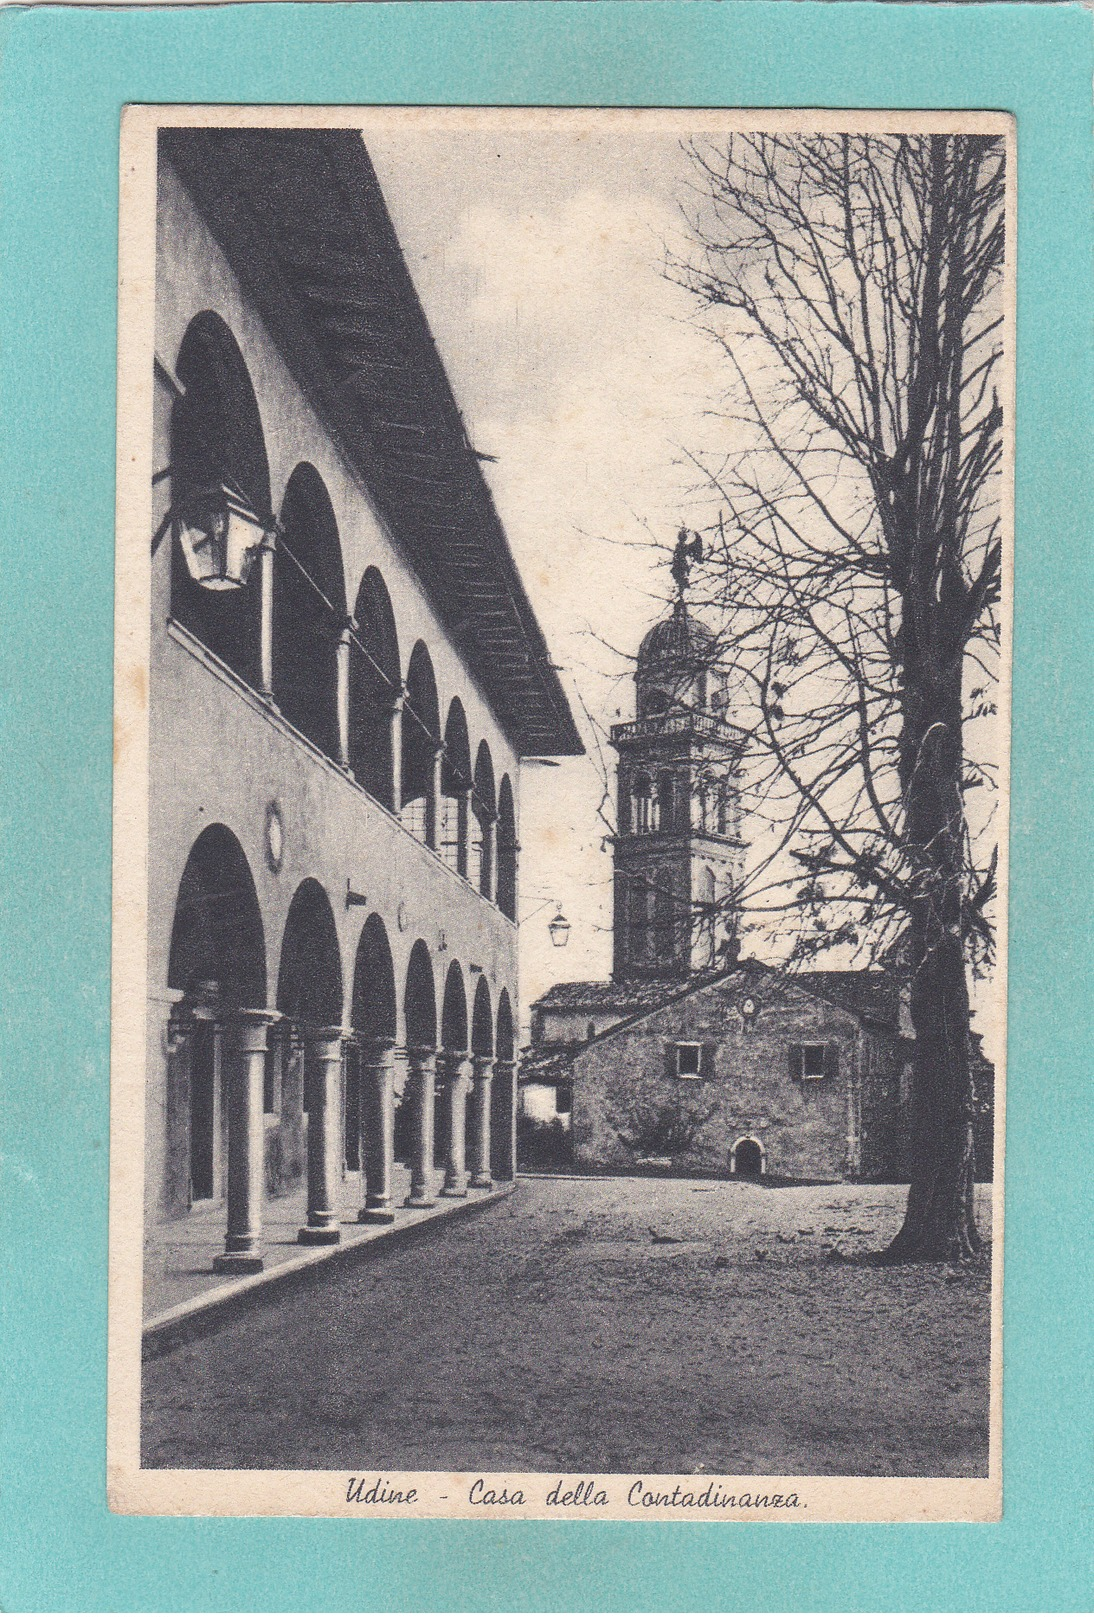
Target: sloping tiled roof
<point>625,998</point>
<point>548,1063</point>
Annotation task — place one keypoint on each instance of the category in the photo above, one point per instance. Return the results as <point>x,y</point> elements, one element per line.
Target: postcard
<point>562,741</point>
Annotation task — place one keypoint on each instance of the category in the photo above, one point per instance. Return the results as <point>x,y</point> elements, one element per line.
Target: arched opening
<point>309,994</point>
<point>485,814</point>
<point>502,1096</point>
<point>747,1158</point>
<point>420,1019</point>
<point>454,1041</point>
<point>708,913</point>
<point>421,742</point>
<point>217,441</point>
<point>455,785</point>
<point>664,916</point>
<point>666,800</point>
<point>482,1021</point>
<point>309,610</point>
<point>642,806</point>
<point>373,1016</point>
<point>507,850</point>
<point>217,961</point>
<point>374,682</point>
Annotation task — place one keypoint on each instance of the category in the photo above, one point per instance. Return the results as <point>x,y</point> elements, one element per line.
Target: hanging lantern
<point>219,537</point>
<point>559,929</point>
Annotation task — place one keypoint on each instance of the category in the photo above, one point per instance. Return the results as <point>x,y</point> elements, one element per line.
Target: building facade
<point>690,1057</point>
<point>336,725</point>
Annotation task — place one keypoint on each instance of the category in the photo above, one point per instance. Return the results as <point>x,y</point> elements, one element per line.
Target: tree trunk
<point>939,1222</point>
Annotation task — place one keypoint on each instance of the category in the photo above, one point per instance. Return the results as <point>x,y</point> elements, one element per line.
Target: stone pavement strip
<point>182,1292</point>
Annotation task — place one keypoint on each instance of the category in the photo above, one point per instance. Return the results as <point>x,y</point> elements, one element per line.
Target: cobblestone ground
<point>605,1325</point>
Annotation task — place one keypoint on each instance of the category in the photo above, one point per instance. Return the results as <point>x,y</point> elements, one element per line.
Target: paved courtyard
<point>604,1325</point>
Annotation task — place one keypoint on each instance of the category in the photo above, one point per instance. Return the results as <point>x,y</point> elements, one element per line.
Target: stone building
<point>345,672</point>
<point>689,1055</point>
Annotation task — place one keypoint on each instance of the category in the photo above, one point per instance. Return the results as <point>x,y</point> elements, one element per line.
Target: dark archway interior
<point>374,1008</point>
<point>748,1160</point>
<point>454,1011</point>
<point>421,738</point>
<point>216,438</point>
<point>455,779</point>
<point>501,1094</point>
<point>217,936</point>
<point>309,984</point>
<point>507,851</point>
<point>482,1021</point>
<point>374,676</point>
<point>420,1001</point>
<point>485,808</point>
<point>309,611</point>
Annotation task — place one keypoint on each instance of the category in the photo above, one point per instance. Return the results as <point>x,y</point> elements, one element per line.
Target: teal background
<point>65,76</point>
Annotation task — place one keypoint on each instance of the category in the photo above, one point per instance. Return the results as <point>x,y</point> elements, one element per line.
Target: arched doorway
<point>374,683</point>
<point>309,610</point>
<point>453,1043</point>
<point>217,441</point>
<point>373,1016</point>
<point>747,1158</point>
<point>421,743</point>
<point>217,963</point>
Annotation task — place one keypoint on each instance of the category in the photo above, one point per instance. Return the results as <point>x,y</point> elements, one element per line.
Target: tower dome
<point>677,665</point>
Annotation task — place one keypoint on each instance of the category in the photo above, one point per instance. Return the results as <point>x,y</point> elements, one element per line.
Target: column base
<point>419,1201</point>
<point>482,1181</point>
<point>319,1237</point>
<point>376,1215</point>
<point>454,1191</point>
<point>238,1263</point>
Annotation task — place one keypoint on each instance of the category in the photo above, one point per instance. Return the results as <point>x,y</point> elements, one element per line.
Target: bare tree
<point>854,283</point>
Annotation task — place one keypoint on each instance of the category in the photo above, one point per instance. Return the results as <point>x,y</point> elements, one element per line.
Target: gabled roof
<point>871,996</point>
<point>301,218</point>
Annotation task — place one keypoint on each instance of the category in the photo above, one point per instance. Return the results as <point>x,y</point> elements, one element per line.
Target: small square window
<point>689,1059</point>
<point>813,1065</point>
<point>564,1099</point>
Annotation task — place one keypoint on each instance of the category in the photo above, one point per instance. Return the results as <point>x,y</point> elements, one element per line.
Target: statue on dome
<point>689,548</point>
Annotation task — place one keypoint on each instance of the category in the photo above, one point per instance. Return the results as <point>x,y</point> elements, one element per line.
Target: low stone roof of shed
<point>611,996</point>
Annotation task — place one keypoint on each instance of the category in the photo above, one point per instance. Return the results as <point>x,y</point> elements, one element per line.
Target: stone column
<point>246,1038</point>
<point>457,1082</point>
<point>266,616</point>
<point>377,1129</point>
<point>433,801</point>
<point>396,720</point>
<point>421,1073</point>
<point>505,1080</point>
<point>479,1143</point>
<point>323,1071</point>
<point>341,690</point>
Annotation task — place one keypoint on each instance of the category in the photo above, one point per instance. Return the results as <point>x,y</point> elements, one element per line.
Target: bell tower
<point>678,853</point>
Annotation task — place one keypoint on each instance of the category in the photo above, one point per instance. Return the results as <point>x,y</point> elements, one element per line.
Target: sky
<point>579,366</point>
<point>539,260</point>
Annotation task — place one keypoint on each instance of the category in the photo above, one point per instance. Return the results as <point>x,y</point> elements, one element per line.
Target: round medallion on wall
<point>275,837</point>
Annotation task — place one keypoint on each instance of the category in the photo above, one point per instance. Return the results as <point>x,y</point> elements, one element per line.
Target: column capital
<point>247,1026</point>
<point>483,1066</point>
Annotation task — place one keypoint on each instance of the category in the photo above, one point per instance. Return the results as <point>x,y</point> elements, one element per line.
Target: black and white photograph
<point>561,792</point>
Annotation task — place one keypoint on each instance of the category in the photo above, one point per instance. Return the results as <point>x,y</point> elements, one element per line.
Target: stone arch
<point>748,1159</point>
<point>375,675</point>
<point>309,609</point>
<point>420,744</point>
<point>217,440</point>
<point>482,1021</point>
<point>309,980</point>
<point>484,813</point>
<point>454,1011</point>
<point>455,783</point>
<point>217,962</point>
<point>507,850</point>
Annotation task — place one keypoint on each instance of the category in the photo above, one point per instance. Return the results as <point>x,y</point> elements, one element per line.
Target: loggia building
<point>345,673</point>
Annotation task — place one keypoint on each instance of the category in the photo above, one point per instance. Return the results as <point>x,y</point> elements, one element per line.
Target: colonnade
<point>466,1085</point>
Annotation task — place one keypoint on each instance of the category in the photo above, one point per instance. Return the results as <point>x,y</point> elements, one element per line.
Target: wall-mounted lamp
<point>219,537</point>
<point>748,1012</point>
<point>559,929</point>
